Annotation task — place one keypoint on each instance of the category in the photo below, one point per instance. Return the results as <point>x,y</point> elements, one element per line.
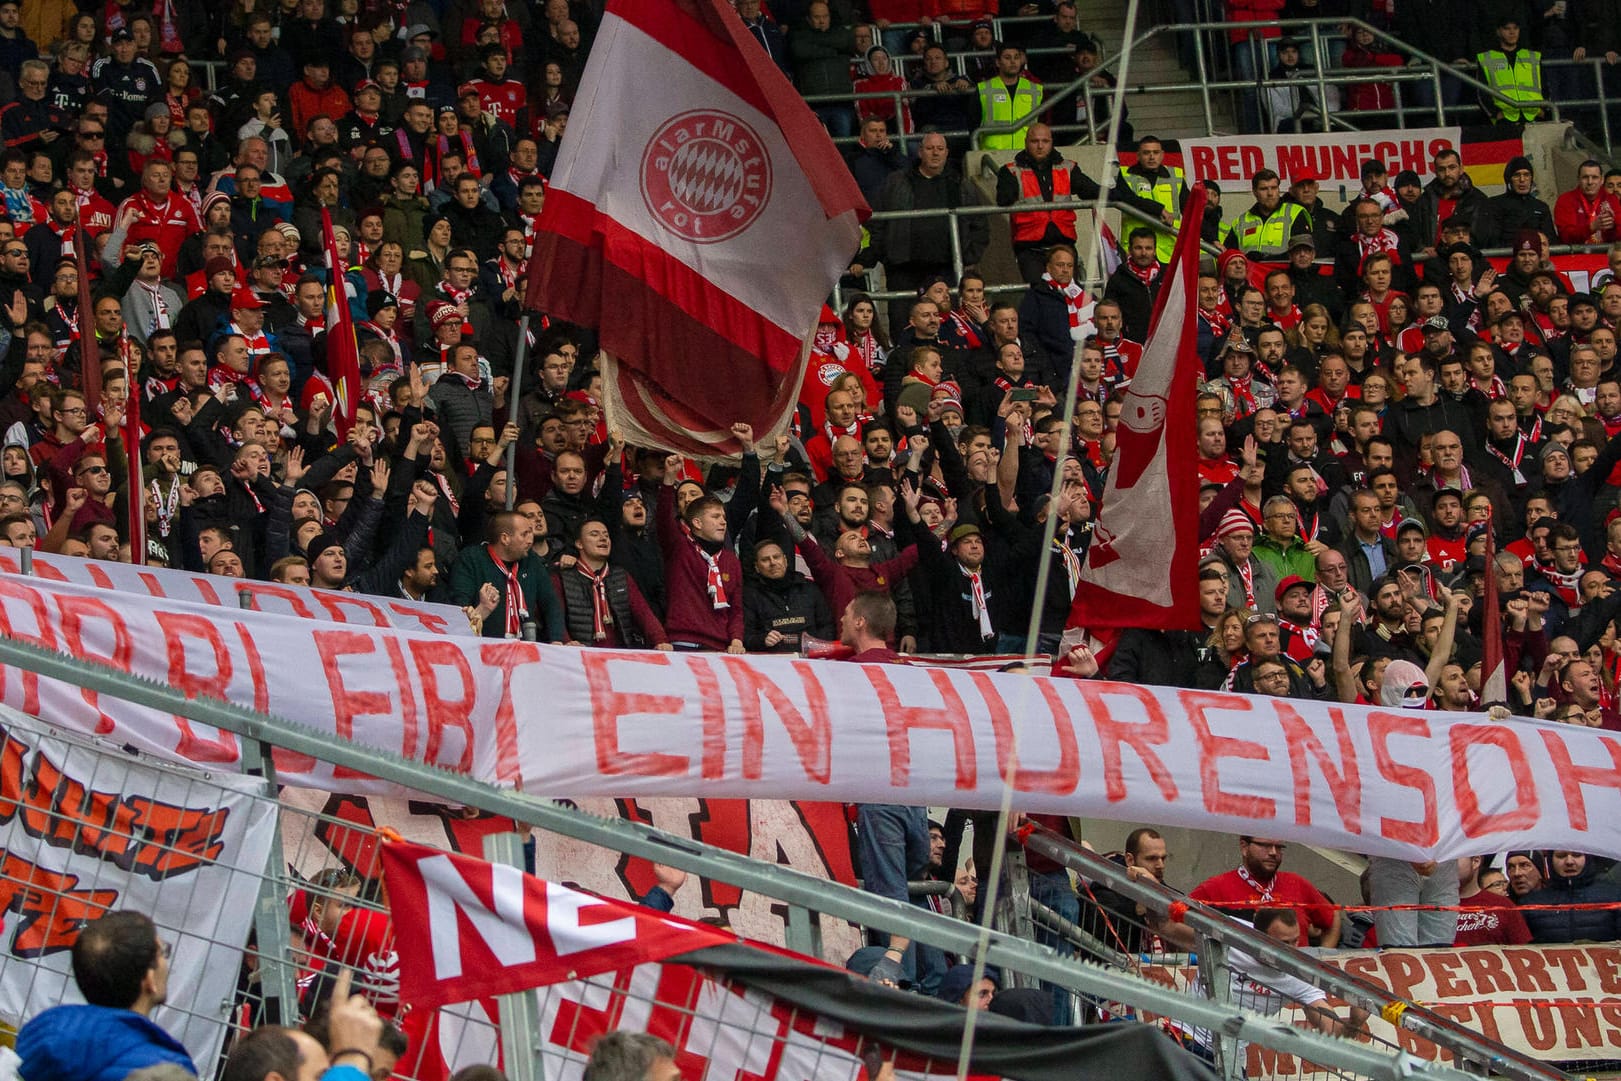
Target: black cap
<point>121,34</point>
<point>1407,177</point>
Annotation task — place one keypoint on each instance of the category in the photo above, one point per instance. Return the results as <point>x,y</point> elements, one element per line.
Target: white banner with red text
<point>332,605</point>
<point>1553,1003</point>
<point>563,721</point>
<point>85,830</point>
<point>1333,158</point>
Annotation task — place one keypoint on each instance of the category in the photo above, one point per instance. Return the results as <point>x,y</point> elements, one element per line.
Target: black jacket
<point>790,605</point>
<point>926,241</point>
<point>1574,925</point>
<point>1136,300</point>
<point>1501,216</point>
<point>1166,659</point>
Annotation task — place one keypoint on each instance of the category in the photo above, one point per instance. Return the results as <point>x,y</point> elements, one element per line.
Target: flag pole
<point>513,390</point>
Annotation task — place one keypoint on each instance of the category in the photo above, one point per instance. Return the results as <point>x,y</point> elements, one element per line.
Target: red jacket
<point>1254,11</point>
<point>167,223</point>
<point>690,614</point>
<point>307,103</point>
<point>1573,217</point>
<point>1360,97</point>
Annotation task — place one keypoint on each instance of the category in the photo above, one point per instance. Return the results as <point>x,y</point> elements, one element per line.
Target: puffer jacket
<point>94,1043</point>
<point>1578,925</point>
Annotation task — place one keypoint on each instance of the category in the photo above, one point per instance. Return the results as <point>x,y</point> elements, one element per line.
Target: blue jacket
<point>93,1043</point>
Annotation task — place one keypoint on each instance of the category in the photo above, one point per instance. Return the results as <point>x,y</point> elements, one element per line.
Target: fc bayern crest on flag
<point>705,176</point>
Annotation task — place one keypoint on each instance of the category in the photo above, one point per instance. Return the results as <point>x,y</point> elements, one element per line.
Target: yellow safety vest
<point>999,105</point>
<point>1519,81</point>
<point>1268,235</point>
<point>1168,194</point>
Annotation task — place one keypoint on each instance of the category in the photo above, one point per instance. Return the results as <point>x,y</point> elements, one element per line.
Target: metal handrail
<point>1218,927</point>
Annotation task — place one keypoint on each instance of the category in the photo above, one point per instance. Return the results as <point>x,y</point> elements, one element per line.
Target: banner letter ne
<point>502,928</point>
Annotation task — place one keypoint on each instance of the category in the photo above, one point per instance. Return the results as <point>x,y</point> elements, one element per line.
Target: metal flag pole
<point>513,391</point>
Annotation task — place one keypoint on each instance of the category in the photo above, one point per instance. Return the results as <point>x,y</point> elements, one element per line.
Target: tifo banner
<point>328,604</point>
<point>587,722</point>
<point>1555,1003</point>
<point>86,830</point>
<point>808,836</point>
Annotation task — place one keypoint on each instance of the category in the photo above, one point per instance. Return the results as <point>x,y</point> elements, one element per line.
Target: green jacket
<point>1286,560</point>
<point>474,567</point>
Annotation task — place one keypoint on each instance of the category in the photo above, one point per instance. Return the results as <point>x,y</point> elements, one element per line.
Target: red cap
<point>1289,583</point>
<point>1304,176</point>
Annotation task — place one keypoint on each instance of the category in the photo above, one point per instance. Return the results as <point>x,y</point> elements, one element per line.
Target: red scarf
<point>1384,242</point>
<point>1078,304</point>
<point>868,349</point>
<point>717,587</point>
<point>966,330</point>
<point>517,610</point>
<point>1148,275</point>
<point>601,617</point>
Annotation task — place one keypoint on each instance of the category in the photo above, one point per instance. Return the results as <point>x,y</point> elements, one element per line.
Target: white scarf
<point>1080,307</point>
<point>976,588</point>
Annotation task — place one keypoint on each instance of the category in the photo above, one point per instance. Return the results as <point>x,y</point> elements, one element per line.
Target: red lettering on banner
<point>1438,145</point>
<point>950,716</point>
<point>439,711</point>
<point>1213,748</point>
<point>812,739</point>
<point>75,612</point>
<point>98,577</point>
<point>1403,971</point>
<point>347,703</point>
<point>1485,1019</point>
<point>177,629</point>
<point>1570,962</point>
<point>1530,970</point>
<point>1475,822</point>
<point>1204,162</point>
<point>1612,1015</point>
<point>1607,966</point>
<point>151,583</point>
<point>255,590</point>
<point>402,679</point>
<point>507,657</point>
<point>1363,968</point>
<point>1344,782</point>
<point>1140,736</point>
<point>1537,1022</point>
<point>1345,161</point>
<point>1062,778</point>
<point>713,717</point>
<point>1489,974</point>
<point>1384,150</point>
<point>428,621</point>
<point>1292,160</point>
<point>609,705</point>
<point>1251,160</point>
<point>49,908</point>
<point>1444,966</point>
<point>335,603</point>
<point>205,589</point>
<point>1412,156</point>
<point>1573,777</point>
<point>42,635</point>
<point>1381,726</point>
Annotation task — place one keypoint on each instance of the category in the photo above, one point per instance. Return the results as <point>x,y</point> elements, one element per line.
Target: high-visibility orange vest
<point>1029,226</point>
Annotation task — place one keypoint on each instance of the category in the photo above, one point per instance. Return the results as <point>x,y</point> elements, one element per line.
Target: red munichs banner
<point>1142,567</point>
<point>342,349</point>
<point>703,238</point>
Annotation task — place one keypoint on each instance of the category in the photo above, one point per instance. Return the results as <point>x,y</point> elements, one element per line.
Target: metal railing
<point>1215,929</point>
<point>806,892</point>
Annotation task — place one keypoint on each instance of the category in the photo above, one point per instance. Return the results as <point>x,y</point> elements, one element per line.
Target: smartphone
<point>1023,394</point>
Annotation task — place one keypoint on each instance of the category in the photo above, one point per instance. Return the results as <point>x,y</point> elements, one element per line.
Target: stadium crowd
<point>1374,398</point>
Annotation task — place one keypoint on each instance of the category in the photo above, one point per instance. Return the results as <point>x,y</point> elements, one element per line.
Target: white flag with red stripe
<point>466,929</point>
<point>698,216</point>
<point>1142,566</point>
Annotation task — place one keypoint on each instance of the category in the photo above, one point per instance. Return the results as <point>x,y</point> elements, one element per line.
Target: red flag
<point>89,348</point>
<point>1493,679</point>
<point>130,433</point>
<point>1142,567</point>
<point>700,240</point>
<point>342,350</point>
<point>468,929</point>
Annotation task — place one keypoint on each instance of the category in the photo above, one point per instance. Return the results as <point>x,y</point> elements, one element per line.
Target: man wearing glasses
<point>459,289</point>
<point>1259,883</point>
<point>69,418</point>
<point>33,120</point>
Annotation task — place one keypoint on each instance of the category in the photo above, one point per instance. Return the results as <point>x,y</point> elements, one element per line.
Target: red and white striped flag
<point>698,217</point>
<point>1142,566</point>
<point>342,348</point>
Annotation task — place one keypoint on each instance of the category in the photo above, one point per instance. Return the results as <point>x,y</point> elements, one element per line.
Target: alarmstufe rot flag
<point>698,217</point>
<point>1142,567</point>
<point>342,349</point>
<point>467,929</point>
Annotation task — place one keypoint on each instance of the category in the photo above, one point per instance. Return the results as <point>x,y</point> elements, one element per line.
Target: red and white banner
<point>480,929</point>
<point>1142,567</point>
<point>335,606</point>
<point>342,347</point>
<point>673,235</point>
<point>87,830</point>
<point>590,722</point>
<point>1332,157</point>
